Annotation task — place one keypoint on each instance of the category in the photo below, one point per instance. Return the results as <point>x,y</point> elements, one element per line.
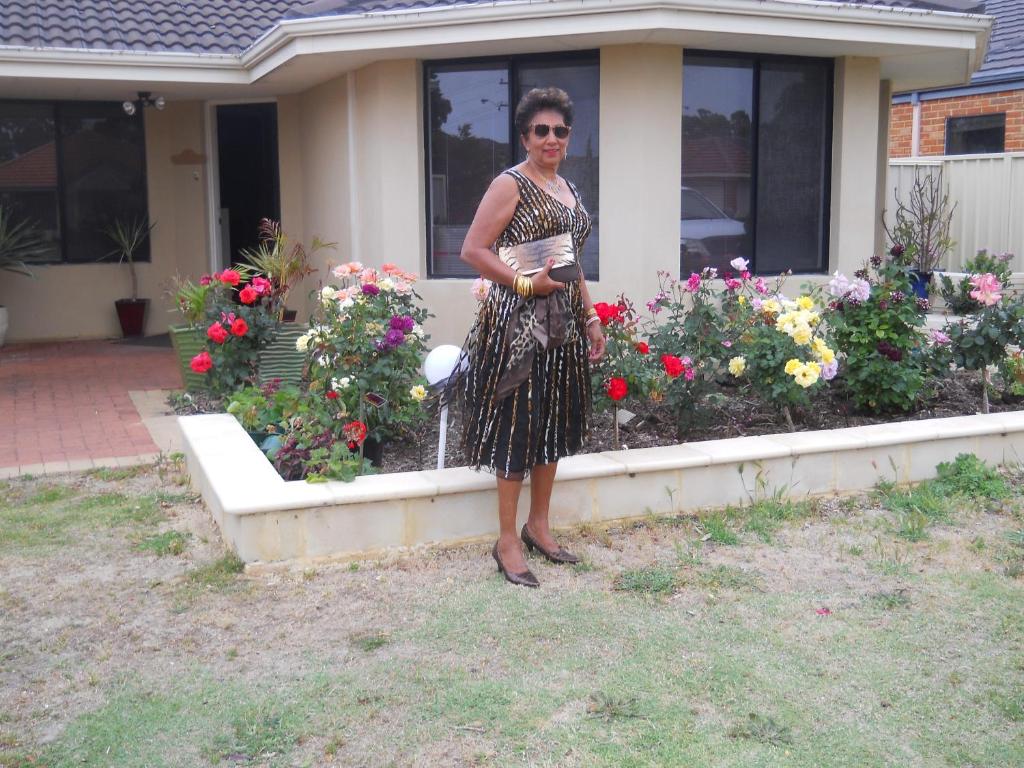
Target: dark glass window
<point>976,135</point>
<point>756,155</point>
<point>71,169</point>
<point>471,139</point>
<point>28,171</point>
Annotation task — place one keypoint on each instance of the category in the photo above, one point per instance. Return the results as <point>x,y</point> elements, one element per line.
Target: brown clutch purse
<point>530,258</point>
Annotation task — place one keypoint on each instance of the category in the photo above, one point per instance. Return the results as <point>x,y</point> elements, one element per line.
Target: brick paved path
<point>68,401</point>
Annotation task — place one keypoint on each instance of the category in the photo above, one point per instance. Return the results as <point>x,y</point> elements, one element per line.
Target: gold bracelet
<point>592,312</point>
<point>523,286</point>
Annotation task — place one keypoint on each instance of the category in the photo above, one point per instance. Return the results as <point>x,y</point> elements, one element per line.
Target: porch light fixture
<point>145,100</point>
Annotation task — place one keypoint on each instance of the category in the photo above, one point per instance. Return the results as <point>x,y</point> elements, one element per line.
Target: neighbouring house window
<point>471,139</point>
<point>975,135</point>
<point>72,168</point>
<point>756,154</point>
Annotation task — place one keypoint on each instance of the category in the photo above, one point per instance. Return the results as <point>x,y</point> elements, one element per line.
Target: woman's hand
<point>596,336</point>
<point>543,285</point>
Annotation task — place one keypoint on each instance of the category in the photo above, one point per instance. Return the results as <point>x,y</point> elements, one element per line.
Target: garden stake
<point>986,382</point>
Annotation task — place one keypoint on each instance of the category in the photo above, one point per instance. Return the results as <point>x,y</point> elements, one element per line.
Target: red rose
<point>229,277</point>
<point>607,312</point>
<point>202,362</point>
<point>355,433</point>
<point>617,388</point>
<point>331,395</point>
<point>673,365</point>
<point>642,348</point>
<point>248,295</point>
<point>239,327</point>
<point>216,333</point>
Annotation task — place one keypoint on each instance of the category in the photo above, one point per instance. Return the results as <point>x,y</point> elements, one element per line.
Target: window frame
<point>756,60</point>
<point>144,252</point>
<point>513,62</point>
<point>946,133</point>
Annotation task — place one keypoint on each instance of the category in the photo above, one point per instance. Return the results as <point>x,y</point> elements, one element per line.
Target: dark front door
<point>247,162</point>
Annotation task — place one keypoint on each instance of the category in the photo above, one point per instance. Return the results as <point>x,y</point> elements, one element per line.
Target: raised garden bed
<point>264,518</point>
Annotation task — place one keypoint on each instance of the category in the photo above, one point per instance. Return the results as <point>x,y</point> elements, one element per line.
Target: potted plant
<point>920,236</point>
<point>285,264</point>
<point>128,238</point>
<point>190,300</point>
<point>19,241</point>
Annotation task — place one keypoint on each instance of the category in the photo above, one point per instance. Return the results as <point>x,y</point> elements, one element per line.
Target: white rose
<point>302,342</point>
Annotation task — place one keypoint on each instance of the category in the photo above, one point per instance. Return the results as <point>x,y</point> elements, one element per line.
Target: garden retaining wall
<point>265,519</point>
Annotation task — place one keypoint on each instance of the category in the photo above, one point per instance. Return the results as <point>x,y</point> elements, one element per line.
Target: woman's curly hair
<point>537,100</point>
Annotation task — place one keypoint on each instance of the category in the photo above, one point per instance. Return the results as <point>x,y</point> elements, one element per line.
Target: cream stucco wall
<point>315,169</point>
<point>855,166</point>
<point>69,301</point>
<point>641,146</point>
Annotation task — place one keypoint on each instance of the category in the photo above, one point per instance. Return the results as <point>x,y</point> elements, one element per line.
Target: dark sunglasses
<point>540,130</point>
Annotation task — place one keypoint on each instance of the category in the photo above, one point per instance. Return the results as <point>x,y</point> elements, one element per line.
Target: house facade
<point>983,116</point>
<point>705,130</point>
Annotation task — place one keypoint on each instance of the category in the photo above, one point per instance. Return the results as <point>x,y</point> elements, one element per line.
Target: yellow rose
<point>813,366</point>
<point>737,365</point>
<point>742,300</point>
<point>805,302</point>
<point>802,335</point>
<point>771,306</point>
<point>792,366</point>
<point>418,393</point>
<point>805,376</point>
<point>827,356</point>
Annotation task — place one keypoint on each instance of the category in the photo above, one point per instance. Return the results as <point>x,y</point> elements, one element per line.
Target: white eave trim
<point>403,29</point>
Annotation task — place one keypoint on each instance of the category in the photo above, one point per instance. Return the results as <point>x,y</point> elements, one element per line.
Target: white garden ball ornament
<point>441,362</point>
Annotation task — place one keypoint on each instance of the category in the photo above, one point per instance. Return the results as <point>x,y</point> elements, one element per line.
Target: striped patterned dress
<point>546,416</point>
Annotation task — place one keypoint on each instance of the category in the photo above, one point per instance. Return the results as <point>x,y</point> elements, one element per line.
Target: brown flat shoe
<point>524,579</point>
<point>560,557</point>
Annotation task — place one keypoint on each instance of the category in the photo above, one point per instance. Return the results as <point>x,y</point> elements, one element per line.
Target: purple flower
<point>898,297</point>
<point>403,323</point>
<point>370,289</point>
<point>861,273</point>
<point>381,345</point>
<point>890,351</point>
<point>922,304</point>
<point>394,337</point>
<point>876,261</point>
<point>897,250</point>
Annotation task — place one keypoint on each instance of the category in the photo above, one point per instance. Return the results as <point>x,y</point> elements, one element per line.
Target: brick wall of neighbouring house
<point>933,121</point>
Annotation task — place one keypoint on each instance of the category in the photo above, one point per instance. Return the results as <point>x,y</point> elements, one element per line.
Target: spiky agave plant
<point>19,243</point>
<point>128,237</point>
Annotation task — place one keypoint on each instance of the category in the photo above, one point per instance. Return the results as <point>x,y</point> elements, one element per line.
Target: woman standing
<point>527,388</point>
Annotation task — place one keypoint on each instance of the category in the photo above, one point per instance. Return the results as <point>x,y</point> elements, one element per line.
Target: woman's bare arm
<point>492,216</point>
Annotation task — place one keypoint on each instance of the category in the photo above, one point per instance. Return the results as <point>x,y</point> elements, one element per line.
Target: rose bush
<point>365,346</point>
<point>877,323</point>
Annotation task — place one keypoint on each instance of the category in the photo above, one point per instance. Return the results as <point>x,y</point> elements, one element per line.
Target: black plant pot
<point>373,451</point>
<point>131,313</point>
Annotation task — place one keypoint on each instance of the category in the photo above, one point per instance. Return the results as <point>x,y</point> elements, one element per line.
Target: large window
<point>471,139</point>
<point>978,134</point>
<point>71,169</point>
<point>756,157</point>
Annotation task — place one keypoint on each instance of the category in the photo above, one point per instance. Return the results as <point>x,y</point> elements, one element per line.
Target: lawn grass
<point>695,654</point>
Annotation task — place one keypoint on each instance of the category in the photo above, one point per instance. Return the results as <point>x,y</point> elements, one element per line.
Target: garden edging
<point>265,519</point>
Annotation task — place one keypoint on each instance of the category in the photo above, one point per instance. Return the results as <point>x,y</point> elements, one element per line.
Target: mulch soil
<point>728,413</point>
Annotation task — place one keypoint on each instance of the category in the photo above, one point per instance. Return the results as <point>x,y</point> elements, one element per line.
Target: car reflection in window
<point>707,236</point>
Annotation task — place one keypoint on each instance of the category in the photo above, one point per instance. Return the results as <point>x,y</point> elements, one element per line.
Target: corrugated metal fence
<point>989,192</point>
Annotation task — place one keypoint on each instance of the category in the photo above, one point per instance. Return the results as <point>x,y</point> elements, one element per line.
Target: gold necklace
<point>553,186</point>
